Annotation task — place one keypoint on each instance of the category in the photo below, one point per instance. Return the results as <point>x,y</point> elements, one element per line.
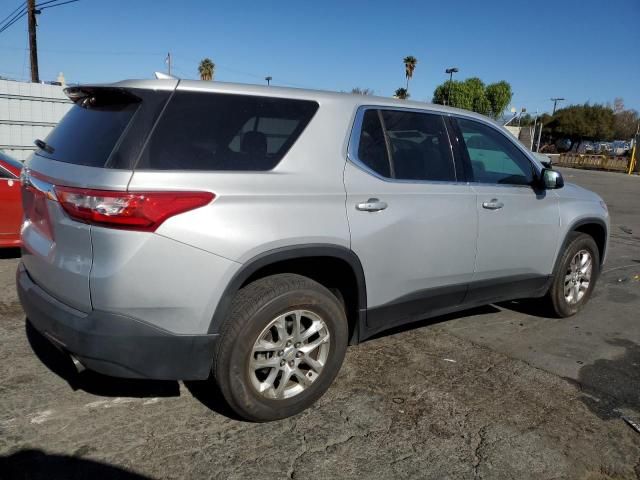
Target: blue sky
<point>582,50</point>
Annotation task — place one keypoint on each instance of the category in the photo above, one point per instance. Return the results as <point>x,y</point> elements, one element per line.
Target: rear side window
<point>214,131</point>
<point>406,145</point>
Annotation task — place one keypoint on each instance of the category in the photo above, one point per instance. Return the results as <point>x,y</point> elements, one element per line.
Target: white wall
<point>28,111</point>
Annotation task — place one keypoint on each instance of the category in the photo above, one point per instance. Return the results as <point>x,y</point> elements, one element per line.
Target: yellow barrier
<point>597,162</point>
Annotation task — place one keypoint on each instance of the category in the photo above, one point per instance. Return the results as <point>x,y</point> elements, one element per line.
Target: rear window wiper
<point>41,144</point>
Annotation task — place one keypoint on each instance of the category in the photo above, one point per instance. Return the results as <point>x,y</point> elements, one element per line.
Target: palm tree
<point>362,91</point>
<point>410,63</point>
<point>401,93</point>
<point>206,69</point>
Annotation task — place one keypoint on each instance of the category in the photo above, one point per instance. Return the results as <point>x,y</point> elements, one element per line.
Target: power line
<point>86,52</point>
<point>46,3</point>
<point>20,12</point>
<point>12,22</point>
<point>13,19</point>
<point>21,7</point>
<point>55,5</point>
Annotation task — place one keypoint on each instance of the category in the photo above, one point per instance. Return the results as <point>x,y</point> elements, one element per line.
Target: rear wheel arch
<point>333,266</point>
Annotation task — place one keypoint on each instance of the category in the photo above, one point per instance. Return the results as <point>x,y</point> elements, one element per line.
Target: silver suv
<point>187,229</point>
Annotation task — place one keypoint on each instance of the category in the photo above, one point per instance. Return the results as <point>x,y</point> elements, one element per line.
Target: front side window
<point>494,159</point>
<point>406,145</point>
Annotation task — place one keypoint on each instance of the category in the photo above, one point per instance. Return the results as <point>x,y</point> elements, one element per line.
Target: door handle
<point>493,204</point>
<point>371,205</point>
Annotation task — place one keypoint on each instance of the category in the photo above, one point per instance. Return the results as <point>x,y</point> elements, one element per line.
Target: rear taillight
<point>143,211</point>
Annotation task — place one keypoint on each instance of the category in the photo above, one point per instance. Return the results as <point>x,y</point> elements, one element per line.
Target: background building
<point>28,111</point>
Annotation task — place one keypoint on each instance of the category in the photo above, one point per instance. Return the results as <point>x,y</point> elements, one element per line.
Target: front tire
<point>575,276</point>
<point>281,347</point>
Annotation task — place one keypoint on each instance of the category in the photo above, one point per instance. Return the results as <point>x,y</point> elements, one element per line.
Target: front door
<point>518,228</point>
<point>413,225</point>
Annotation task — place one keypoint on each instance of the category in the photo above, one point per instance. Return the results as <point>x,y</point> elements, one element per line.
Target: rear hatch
<point>93,149</point>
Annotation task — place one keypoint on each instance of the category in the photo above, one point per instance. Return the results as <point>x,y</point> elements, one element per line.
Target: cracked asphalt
<point>497,392</point>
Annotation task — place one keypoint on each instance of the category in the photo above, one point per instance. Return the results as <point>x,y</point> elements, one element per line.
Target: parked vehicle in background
<point>10,201</point>
<point>182,229</point>
<point>563,145</point>
<point>544,159</point>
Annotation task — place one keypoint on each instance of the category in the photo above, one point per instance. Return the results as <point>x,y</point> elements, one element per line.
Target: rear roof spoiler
<point>87,96</point>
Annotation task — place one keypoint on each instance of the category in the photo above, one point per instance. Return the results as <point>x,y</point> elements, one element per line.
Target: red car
<point>10,201</point>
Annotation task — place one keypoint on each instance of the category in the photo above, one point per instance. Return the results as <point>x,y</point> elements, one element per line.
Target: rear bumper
<point>113,344</point>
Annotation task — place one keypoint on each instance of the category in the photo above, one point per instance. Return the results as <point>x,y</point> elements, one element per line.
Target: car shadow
<point>483,310</point>
<point>92,382</point>
<point>36,464</point>
<point>611,385</point>
<point>208,393</point>
<point>61,364</point>
<point>6,253</point>
<point>529,306</point>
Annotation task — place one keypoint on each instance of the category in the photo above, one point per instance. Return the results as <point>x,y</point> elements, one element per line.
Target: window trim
<point>354,143</point>
<point>466,160</point>
<point>11,175</point>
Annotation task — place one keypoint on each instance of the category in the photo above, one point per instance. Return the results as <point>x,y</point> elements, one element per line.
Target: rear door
<point>518,222</point>
<point>413,224</point>
<point>94,146</point>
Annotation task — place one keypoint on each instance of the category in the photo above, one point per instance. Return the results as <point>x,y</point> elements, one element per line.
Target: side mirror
<point>552,179</point>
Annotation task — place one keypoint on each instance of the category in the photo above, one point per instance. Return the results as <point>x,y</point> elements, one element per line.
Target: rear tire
<point>575,276</point>
<point>264,366</point>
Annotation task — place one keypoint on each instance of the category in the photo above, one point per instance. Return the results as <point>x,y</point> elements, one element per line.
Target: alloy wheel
<point>289,354</point>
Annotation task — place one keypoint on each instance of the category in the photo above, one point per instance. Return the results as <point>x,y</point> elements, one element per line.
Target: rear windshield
<point>89,132</point>
<point>215,131</point>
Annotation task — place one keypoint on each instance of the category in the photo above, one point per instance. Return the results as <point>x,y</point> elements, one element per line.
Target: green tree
<point>499,95</point>
<point>362,91</point>
<point>455,94</point>
<point>401,93</point>
<point>470,94</point>
<point>410,63</point>
<point>625,122</point>
<point>582,122</point>
<point>477,92</point>
<point>206,69</point>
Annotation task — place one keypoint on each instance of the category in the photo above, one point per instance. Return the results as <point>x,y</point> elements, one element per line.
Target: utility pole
<point>268,79</point>
<point>450,71</point>
<point>169,62</point>
<point>539,134</point>
<point>555,102</point>
<point>533,135</point>
<point>33,46</point>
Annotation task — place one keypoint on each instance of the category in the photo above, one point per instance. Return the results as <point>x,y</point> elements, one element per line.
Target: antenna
<point>164,76</point>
